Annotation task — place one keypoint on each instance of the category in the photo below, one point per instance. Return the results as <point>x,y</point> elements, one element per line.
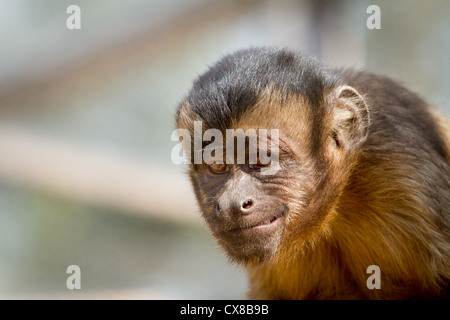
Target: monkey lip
<point>265,225</point>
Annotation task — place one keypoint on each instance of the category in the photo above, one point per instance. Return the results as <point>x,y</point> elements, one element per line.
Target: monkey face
<point>255,212</point>
<point>321,124</point>
<point>248,206</point>
<point>245,216</point>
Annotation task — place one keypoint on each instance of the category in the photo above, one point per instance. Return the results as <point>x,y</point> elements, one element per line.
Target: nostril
<point>246,205</point>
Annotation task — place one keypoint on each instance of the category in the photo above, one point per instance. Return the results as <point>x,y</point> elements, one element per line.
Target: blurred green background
<point>86,115</point>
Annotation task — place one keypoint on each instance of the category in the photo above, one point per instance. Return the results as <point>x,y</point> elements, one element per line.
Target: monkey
<point>362,179</point>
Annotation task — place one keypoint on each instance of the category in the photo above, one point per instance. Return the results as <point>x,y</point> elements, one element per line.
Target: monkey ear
<point>350,117</point>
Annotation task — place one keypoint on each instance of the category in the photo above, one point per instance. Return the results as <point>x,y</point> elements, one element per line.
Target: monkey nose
<point>239,207</point>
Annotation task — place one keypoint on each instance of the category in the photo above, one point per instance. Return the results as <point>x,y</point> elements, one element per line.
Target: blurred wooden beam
<point>107,180</point>
<point>111,62</point>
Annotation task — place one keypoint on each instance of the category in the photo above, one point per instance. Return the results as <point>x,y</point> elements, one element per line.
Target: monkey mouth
<point>268,224</point>
<point>255,235</point>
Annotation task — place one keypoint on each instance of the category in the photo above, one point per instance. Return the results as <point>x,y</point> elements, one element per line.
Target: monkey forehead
<point>290,114</point>
<point>273,110</point>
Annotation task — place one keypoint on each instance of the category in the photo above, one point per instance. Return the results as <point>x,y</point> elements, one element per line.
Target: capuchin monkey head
<point>272,139</point>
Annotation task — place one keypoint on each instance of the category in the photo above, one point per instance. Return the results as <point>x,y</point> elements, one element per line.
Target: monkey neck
<point>314,273</point>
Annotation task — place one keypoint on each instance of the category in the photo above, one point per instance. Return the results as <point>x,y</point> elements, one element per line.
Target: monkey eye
<point>219,167</point>
<point>258,165</point>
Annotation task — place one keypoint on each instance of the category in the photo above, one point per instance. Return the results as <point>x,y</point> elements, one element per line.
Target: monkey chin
<point>253,243</point>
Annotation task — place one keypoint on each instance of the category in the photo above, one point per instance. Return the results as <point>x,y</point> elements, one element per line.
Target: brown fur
<point>366,182</point>
<point>385,215</point>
